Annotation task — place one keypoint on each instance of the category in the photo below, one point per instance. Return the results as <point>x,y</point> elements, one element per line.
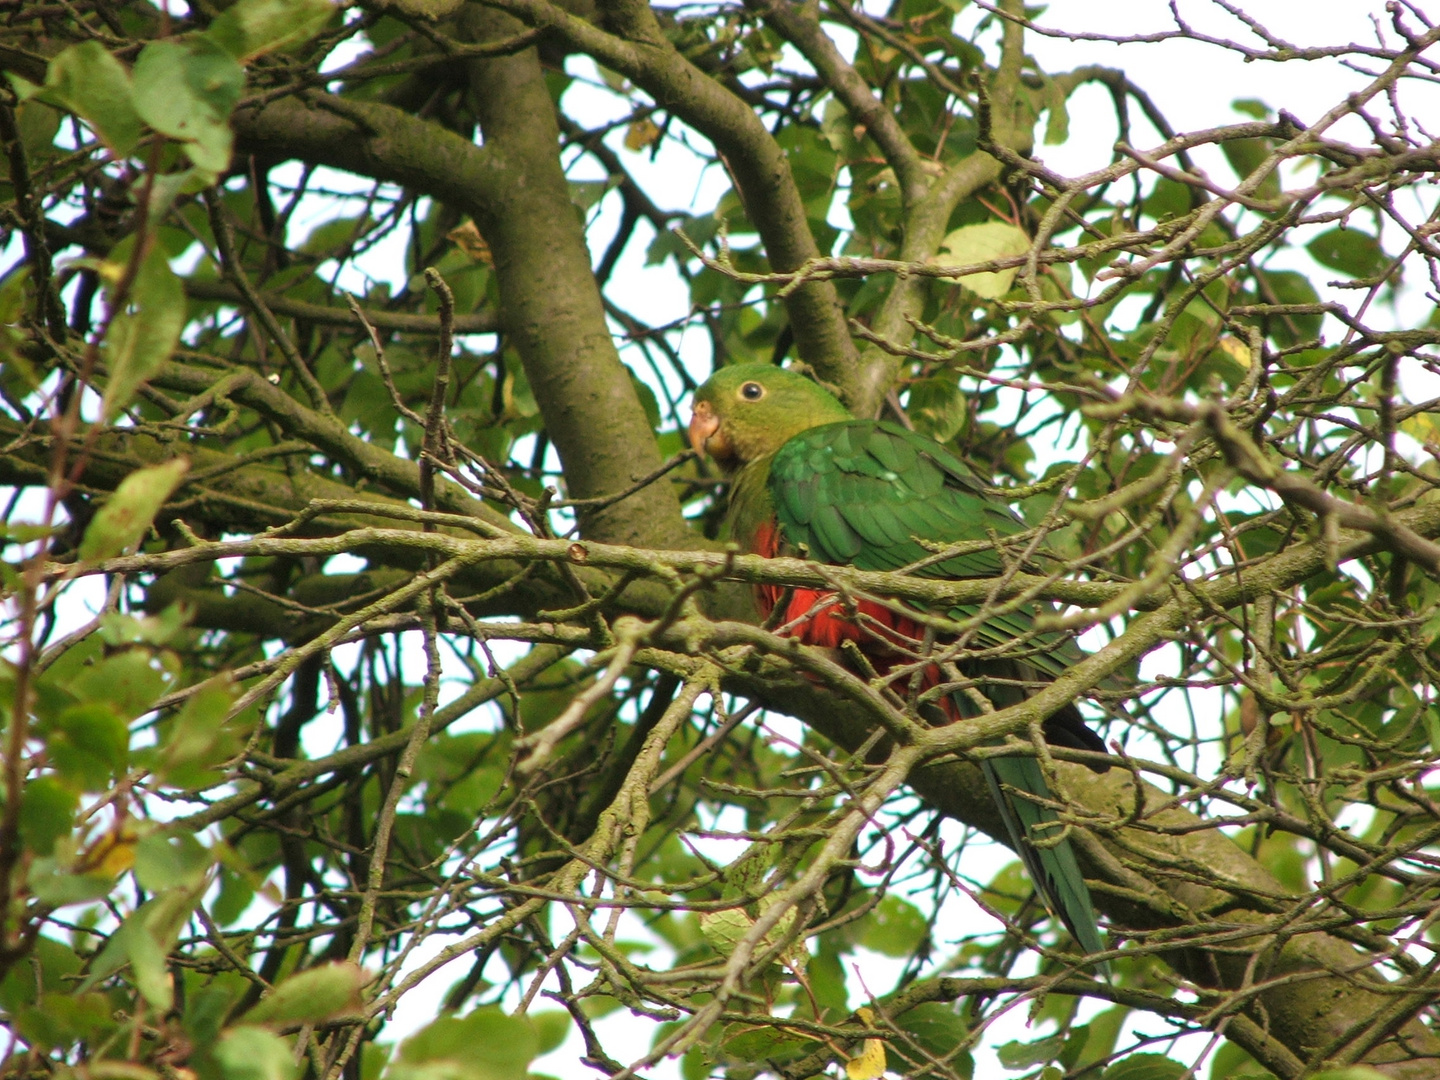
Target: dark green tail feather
<point>1052,866</point>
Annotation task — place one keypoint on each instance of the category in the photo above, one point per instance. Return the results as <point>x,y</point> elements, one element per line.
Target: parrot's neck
<point>751,512</point>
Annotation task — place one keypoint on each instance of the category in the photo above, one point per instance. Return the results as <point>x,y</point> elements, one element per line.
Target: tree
<point>365,695</point>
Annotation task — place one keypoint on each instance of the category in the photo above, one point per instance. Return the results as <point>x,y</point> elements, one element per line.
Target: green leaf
<point>128,681</point>
<point>551,1027</point>
<point>938,408</point>
<point>38,123</point>
<point>894,928</point>
<point>794,955</point>
<point>486,1045</point>
<point>47,812</point>
<point>165,860</point>
<point>95,86</point>
<point>1018,1055</point>
<point>185,88</point>
<point>52,883</point>
<point>1008,889</point>
<point>748,1044</point>
<point>1350,251</point>
<point>60,1020</point>
<point>981,243</point>
<point>198,739</point>
<point>52,966</point>
<point>143,941</point>
<point>584,194</point>
<point>25,532</point>
<point>147,967</point>
<point>252,1053</point>
<point>1057,124</point>
<point>170,186</point>
<point>1167,199</point>
<point>206,1010</point>
<point>813,164</point>
<point>648,401</point>
<point>1145,1067</point>
<point>123,521</point>
<point>1100,1040</point>
<point>236,893</point>
<point>932,1029</point>
<point>314,996</point>
<point>332,239</point>
<point>827,977</point>
<point>699,230</point>
<point>89,744</point>
<point>145,333</point>
<point>1246,156</point>
<point>119,628</point>
<point>254,27</point>
<point>1290,287</point>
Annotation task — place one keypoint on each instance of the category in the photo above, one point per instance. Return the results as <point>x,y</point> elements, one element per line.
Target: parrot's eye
<point>752,391</point>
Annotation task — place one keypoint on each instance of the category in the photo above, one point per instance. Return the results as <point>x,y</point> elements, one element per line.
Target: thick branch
<point>551,304</point>
<point>755,160</point>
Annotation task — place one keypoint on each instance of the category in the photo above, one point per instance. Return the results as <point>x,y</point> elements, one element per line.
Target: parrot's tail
<point>1051,865</point>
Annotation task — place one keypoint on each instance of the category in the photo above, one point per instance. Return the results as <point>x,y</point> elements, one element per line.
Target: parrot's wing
<point>864,493</point>
<point>858,492</point>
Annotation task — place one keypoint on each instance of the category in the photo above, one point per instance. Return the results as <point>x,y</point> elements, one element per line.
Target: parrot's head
<point>748,411</point>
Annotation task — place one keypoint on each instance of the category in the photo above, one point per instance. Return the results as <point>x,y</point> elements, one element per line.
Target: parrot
<point>807,478</point>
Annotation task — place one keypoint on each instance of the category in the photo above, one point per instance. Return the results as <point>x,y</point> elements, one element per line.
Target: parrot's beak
<point>705,437</point>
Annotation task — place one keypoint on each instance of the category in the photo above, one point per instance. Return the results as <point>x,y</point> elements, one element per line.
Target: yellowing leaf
<point>468,239</point>
<point>319,994</point>
<point>724,929</point>
<point>1234,348</point>
<point>253,27</point>
<point>641,134</point>
<point>123,521</point>
<point>990,240</point>
<point>1424,428</point>
<point>112,855</point>
<point>869,1063</point>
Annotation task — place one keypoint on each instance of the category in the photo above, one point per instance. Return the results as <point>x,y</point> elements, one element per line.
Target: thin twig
<point>231,267</point>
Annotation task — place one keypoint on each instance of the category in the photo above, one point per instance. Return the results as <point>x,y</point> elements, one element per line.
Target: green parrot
<point>808,478</point>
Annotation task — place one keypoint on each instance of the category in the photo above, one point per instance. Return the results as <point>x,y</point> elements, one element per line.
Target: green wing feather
<point>864,493</point>
<point>861,493</point>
